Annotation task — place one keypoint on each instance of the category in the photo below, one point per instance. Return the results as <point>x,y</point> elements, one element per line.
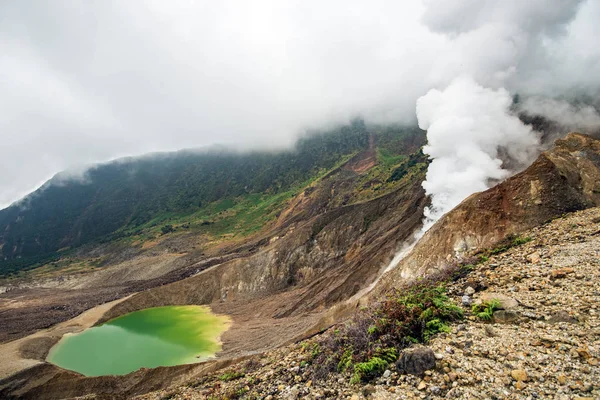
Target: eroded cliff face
<point>563,179</point>
<point>320,262</point>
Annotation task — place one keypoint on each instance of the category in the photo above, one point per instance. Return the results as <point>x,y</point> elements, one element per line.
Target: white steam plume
<point>467,125</point>
<point>498,45</point>
<point>494,48</point>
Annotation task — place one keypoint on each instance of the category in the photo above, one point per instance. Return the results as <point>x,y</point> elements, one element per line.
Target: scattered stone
<point>506,317</point>
<point>534,257</point>
<point>561,273</point>
<point>422,385</point>
<point>416,360</point>
<point>387,374</point>
<point>506,303</point>
<point>519,375</point>
<point>562,316</point>
<point>435,389</point>
<point>466,301</point>
<point>489,331</point>
<point>368,390</point>
<point>469,291</point>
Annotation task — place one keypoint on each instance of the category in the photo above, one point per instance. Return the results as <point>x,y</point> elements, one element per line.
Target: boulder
<point>506,316</point>
<point>416,360</point>
<point>562,316</point>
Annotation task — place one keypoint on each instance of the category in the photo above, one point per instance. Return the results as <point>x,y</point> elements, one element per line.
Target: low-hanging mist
<point>85,83</point>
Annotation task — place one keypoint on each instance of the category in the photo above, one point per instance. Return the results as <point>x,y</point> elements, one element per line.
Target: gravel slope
<point>544,344</point>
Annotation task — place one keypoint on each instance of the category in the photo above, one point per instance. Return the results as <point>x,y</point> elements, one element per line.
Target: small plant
<point>372,329</point>
<point>231,375</point>
<point>316,349</point>
<point>345,360</point>
<point>521,240</point>
<point>167,229</point>
<point>366,370</point>
<point>485,310</point>
<point>509,242</point>
<point>372,340</point>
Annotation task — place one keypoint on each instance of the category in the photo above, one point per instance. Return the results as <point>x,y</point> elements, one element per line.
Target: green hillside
<point>156,194</point>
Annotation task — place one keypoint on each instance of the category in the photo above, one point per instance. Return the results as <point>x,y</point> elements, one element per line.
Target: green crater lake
<point>149,338</point>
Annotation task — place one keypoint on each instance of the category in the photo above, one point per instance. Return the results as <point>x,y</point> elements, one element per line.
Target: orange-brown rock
<point>563,179</point>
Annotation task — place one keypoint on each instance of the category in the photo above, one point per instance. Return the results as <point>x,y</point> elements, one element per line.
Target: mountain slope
<point>135,198</point>
<point>329,242</point>
<point>547,345</point>
<point>563,179</point>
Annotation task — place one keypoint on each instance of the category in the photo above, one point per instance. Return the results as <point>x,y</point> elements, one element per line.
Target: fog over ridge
<point>82,83</point>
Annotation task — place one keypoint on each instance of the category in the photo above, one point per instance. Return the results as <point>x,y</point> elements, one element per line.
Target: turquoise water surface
<point>161,336</point>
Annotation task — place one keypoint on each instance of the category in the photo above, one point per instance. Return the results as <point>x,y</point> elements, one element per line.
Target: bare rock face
<point>563,179</point>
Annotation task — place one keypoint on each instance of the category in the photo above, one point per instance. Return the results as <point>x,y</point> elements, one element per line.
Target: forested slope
<point>122,198</point>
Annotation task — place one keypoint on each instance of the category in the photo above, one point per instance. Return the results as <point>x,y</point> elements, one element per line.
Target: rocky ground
<point>543,342</point>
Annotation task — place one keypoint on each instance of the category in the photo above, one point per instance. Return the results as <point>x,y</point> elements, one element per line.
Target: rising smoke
<point>467,125</point>
<point>501,49</point>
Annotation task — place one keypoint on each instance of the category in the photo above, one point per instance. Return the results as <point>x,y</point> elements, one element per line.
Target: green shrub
<point>345,360</point>
<point>373,339</point>
<point>167,229</point>
<point>485,310</point>
<point>521,240</point>
<point>509,242</point>
<point>369,369</point>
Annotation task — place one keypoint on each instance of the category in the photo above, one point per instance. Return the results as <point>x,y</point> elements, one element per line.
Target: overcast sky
<point>88,81</point>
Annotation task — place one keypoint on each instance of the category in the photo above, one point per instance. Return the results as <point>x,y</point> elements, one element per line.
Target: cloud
<point>82,83</point>
<point>579,117</point>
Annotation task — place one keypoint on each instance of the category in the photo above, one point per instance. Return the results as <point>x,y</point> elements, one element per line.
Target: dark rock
<point>562,316</point>
<point>416,360</point>
<point>368,390</point>
<point>506,317</point>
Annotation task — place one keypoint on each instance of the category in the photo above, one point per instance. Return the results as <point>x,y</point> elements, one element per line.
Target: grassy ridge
<point>219,194</point>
